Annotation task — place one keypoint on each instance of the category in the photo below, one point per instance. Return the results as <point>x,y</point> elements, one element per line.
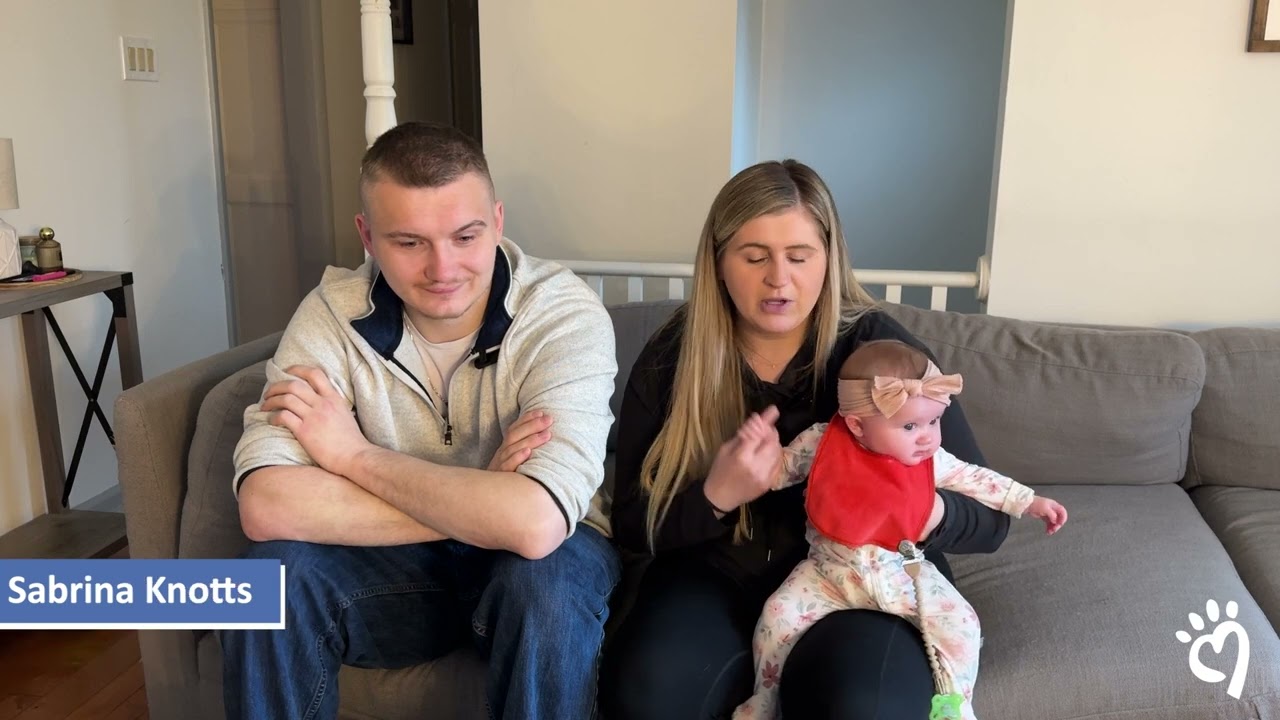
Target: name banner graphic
<point>142,594</point>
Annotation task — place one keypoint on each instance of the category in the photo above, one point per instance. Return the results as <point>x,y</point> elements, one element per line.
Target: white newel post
<point>379,68</point>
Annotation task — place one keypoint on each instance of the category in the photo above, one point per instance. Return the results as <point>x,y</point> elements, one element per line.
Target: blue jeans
<point>540,623</point>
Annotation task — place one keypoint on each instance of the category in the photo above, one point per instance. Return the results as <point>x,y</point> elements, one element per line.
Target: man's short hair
<point>423,155</point>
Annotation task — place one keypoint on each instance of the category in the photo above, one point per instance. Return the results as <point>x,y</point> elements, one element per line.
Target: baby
<point>872,472</point>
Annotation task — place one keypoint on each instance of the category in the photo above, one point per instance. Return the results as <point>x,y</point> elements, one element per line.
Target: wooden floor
<point>71,675</point>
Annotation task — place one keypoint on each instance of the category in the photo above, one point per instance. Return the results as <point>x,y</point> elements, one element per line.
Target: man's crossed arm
<point>361,494</point>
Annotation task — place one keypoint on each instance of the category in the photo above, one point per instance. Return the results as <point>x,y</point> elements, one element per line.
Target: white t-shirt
<point>439,361</point>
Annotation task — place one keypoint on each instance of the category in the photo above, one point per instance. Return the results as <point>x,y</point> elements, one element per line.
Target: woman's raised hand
<point>747,464</point>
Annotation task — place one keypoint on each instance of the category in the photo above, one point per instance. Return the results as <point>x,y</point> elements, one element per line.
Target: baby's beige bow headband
<point>887,395</point>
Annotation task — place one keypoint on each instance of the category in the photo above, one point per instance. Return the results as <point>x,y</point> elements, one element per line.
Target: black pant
<point>684,653</point>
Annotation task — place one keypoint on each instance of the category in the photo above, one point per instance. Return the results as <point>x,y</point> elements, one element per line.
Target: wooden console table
<point>64,533</point>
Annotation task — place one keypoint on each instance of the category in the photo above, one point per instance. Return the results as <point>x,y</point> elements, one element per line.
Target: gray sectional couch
<point>1164,446</point>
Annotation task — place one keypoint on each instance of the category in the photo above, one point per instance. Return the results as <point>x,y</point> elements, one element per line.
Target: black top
<point>778,518</point>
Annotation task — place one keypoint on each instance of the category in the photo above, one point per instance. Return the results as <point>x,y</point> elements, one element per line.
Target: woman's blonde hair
<point>707,400</point>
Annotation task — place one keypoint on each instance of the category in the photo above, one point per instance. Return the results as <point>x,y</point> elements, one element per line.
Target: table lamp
<point>10,254</point>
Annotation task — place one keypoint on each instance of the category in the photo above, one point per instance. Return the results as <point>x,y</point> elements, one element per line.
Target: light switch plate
<point>138,59</point>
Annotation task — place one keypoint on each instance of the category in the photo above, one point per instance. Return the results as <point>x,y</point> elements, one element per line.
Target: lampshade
<point>8,176</point>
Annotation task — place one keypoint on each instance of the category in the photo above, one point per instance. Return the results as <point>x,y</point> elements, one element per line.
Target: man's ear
<point>365,231</point>
<point>855,425</point>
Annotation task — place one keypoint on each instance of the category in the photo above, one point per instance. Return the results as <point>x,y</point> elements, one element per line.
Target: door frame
<point>464,66</point>
<point>220,179</point>
<point>307,137</point>
<point>307,143</point>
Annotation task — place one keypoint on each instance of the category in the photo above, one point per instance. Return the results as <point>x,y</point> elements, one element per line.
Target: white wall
<point>748,51</point>
<point>125,174</point>
<point>895,105</point>
<point>1140,173</point>
<point>611,126</point>
<point>608,126</point>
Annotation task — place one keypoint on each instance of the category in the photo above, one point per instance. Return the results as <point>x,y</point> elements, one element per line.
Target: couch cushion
<point>1082,624</point>
<point>210,518</point>
<point>1057,404</point>
<point>451,687</point>
<point>1247,520</point>
<point>633,323</point>
<point>1235,430</point>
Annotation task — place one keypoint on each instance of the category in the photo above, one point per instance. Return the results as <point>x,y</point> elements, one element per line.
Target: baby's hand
<point>759,430</point>
<point>756,429</point>
<point>1050,511</point>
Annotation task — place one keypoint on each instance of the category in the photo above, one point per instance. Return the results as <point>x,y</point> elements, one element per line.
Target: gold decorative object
<point>48,251</point>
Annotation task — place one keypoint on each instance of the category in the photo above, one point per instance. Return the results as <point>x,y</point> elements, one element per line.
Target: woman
<point>774,311</point>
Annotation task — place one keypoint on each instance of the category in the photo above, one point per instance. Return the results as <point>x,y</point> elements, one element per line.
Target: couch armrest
<point>155,422</point>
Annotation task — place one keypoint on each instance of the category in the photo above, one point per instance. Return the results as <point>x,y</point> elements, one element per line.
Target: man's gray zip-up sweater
<point>546,343</point>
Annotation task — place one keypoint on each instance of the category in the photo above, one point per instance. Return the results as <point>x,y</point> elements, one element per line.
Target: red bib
<point>858,497</point>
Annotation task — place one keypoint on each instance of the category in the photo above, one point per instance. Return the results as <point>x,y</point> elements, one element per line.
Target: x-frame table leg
<point>35,325</point>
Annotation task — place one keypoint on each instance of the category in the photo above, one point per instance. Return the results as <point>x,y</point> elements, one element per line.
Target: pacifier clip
<point>946,701</point>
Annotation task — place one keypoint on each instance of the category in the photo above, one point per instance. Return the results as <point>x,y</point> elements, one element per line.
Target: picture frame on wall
<point>1264,27</point>
<point>402,22</point>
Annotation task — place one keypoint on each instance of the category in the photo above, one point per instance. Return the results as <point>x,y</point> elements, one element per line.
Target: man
<point>375,466</point>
